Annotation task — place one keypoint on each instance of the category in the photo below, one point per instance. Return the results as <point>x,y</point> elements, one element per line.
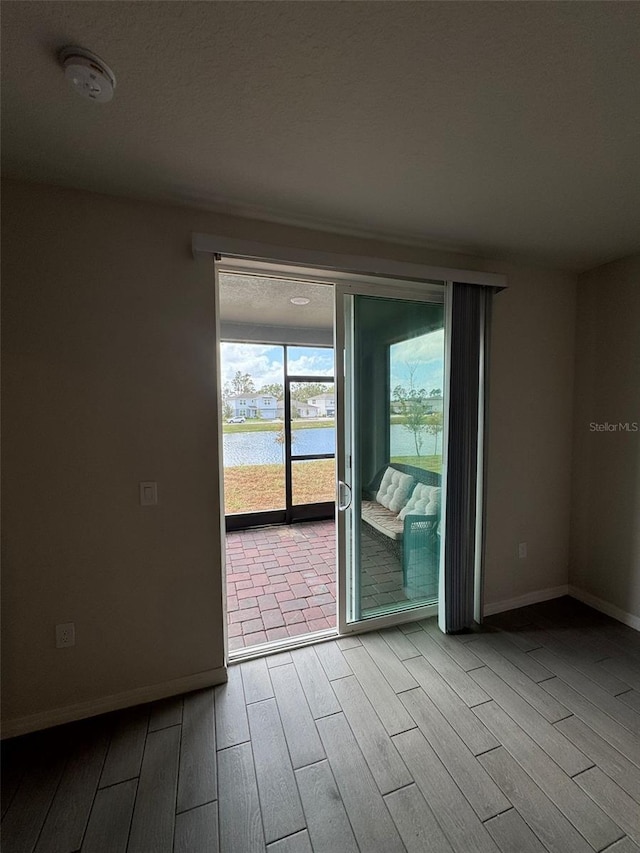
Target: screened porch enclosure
<point>278,399</point>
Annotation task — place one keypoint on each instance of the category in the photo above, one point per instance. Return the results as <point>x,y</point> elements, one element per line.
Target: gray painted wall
<point>605,528</point>
<point>109,378</point>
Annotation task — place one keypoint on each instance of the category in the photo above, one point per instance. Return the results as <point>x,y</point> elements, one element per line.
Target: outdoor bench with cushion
<point>401,510</point>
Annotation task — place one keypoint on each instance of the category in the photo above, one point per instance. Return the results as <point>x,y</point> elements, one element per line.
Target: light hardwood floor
<point>520,738</point>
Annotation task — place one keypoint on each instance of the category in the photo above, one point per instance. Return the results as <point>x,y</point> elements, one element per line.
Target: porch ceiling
<point>248,299</point>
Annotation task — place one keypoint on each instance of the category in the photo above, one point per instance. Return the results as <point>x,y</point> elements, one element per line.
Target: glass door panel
<point>393,426</point>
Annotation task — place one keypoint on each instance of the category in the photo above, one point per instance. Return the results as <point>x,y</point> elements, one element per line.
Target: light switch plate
<point>148,494</point>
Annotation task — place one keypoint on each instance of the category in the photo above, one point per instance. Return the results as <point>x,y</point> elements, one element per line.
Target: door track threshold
<point>285,645</point>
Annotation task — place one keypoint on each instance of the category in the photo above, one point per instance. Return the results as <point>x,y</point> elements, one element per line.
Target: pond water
<point>261,448</point>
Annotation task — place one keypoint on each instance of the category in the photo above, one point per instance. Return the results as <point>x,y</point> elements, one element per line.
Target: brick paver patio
<point>281,582</point>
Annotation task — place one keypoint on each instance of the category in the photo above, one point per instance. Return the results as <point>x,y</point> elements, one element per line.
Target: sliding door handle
<point>344,496</point>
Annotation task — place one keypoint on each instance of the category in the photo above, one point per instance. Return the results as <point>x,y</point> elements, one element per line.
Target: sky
<point>427,353</point>
<point>264,363</point>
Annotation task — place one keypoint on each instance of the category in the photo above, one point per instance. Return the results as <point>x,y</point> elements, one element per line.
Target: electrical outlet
<point>522,550</point>
<point>65,635</point>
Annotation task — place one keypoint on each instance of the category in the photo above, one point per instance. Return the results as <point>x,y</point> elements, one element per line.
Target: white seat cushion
<point>382,519</point>
<point>394,489</point>
<point>425,500</point>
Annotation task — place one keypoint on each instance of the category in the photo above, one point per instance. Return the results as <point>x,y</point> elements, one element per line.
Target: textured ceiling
<point>252,299</point>
<point>494,128</point>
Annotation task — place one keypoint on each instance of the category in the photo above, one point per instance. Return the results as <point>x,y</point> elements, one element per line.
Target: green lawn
<point>260,425</point>
<point>429,463</point>
<point>257,425</point>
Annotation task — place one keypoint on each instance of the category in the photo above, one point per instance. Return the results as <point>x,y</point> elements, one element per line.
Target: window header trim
<point>232,247</point>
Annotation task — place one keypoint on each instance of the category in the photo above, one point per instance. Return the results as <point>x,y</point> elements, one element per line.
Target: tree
<point>242,383</point>
<point>413,412</point>
<point>303,391</point>
<point>281,439</point>
<point>411,403</point>
<point>227,411</point>
<point>275,389</point>
<point>434,426</point>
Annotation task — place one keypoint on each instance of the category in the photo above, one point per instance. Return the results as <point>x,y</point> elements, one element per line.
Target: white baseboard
<point>524,600</point>
<point>605,607</point>
<point>114,702</point>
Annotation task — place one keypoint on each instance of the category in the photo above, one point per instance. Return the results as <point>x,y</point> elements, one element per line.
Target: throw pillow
<point>425,500</point>
<point>394,489</point>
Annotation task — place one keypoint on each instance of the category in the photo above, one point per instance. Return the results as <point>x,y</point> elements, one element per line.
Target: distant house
<point>298,410</point>
<point>431,405</point>
<point>325,403</point>
<point>253,406</point>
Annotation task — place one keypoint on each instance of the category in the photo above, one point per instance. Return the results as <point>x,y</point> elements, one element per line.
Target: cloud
<point>318,364</point>
<point>426,354</point>
<point>262,362</point>
<point>425,348</point>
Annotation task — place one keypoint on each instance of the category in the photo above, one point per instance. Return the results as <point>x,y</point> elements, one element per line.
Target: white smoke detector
<point>88,74</point>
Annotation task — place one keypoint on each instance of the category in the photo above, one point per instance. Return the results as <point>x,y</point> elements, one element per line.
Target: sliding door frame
<point>345,419</point>
<point>369,276</point>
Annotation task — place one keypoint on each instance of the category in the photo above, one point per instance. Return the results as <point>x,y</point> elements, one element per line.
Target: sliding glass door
<point>390,368</point>
<point>400,420</point>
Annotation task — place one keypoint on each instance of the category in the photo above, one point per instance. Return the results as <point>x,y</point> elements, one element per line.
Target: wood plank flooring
<point>522,737</point>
